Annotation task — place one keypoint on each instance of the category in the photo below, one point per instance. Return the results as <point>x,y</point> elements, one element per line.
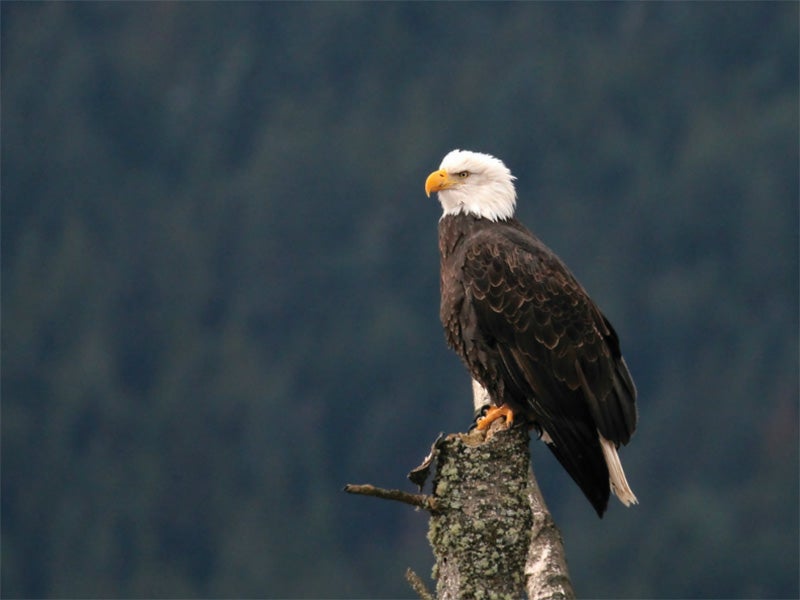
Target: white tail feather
<point>480,397</point>
<point>616,476</point>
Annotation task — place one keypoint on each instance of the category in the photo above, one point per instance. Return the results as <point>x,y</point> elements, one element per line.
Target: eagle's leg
<point>494,413</point>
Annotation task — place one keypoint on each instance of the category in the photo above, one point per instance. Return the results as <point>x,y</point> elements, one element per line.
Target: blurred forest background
<point>220,284</point>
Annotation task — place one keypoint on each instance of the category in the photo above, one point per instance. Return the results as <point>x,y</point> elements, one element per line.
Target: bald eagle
<point>534,342</point>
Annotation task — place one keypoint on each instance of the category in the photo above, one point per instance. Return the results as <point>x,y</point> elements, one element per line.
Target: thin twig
<point>418,585</point>
<point>419,500</point>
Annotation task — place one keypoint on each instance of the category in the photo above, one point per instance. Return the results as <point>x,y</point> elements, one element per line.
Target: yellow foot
<point>494,413</point>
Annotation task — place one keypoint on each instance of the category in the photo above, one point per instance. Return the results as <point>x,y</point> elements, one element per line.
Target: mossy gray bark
<point>490,530</point>
<point>489,511</point>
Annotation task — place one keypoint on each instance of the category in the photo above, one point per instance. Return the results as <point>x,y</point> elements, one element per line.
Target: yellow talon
<point>494,413</point>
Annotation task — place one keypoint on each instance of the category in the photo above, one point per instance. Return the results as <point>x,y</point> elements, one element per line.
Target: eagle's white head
<point>474,183</point>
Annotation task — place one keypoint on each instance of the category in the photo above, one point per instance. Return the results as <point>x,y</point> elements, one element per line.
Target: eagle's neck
<point>494,199</point>
<point>454,229</point>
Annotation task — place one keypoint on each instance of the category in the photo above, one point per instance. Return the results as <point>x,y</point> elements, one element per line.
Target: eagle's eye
<point>463,174</point>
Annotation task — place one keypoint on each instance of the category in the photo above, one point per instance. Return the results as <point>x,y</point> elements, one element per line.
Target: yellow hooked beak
<point>438,180</point>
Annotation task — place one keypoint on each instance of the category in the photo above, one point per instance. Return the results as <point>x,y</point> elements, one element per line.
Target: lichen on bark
<point>481,532</point>
<point>490,530</point>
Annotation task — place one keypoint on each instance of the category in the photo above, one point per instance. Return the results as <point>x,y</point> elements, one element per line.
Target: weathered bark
<point>546,572</point>
<point>491,533</point>
<point>492,536</point>
<point>481,534</point>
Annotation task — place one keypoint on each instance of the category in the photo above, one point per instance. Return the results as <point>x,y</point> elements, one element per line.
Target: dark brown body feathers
<point>530,334</point>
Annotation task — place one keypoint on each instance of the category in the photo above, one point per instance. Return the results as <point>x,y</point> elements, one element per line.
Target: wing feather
<point>565,362</point>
